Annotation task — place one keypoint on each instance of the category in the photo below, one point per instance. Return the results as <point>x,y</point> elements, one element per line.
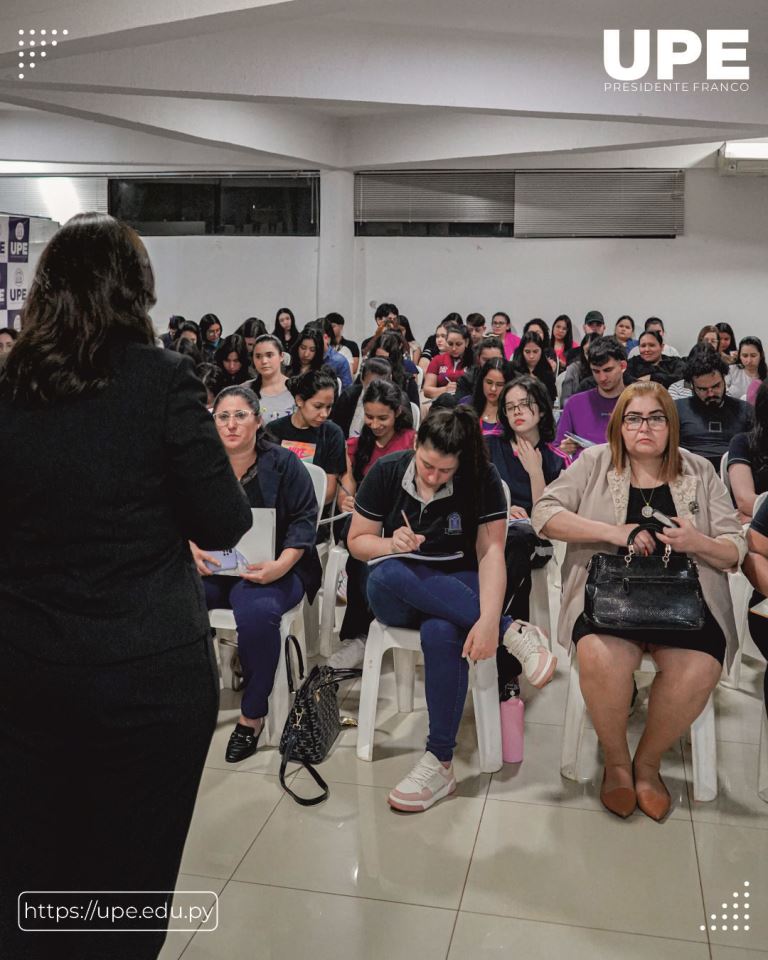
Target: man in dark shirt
<point>710,419</point>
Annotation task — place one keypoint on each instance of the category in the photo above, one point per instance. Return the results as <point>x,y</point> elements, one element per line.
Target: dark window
<point>440,229</point>
<point>270,205</point>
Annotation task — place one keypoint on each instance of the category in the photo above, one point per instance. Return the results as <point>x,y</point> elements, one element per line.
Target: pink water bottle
<point>512,724</point>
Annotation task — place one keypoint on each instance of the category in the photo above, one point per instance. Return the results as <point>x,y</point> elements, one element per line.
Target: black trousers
<point>100,770</point>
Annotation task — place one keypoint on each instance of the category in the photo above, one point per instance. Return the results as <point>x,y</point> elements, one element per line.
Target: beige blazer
<point>593,489</point>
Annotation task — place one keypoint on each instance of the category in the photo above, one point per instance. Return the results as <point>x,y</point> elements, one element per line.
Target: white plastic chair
<point>419,377</point>
<point>762,764</point>
<point>416,411</point>
<point>311,618</point>
<point>703,737</point>
<point>406,645</point>
<point>223,622</point>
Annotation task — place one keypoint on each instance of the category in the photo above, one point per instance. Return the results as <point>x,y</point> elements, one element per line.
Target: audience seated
<point>189,330</point>
<point>485,350</point>
<point>434,345</point>
<point>710,419</point>
<point>403,326</point>
<point>442,497</point>
<point>537,325</point>
<point>347,348</point>
<point>331,358</point>
<point>232,356</point>
<point>8,337</point>
<point>269,383</point>
<point>210,331</point>
<point>168,338</point>
<point>586,414</point>
<point>445,369</point>
<point>484,400</point>
<point>307,352</point>
<point>748,459</point>
<point>594,323</point>
<point>285,329</point>
<point>624,331</point>
<point>476,326</point>
<point>501,327</point>
<point>388,428</point>
<point>596,503</point>
<point>651,364</point>
<point>749,367</point>
<point>386,319</point>
<point>529,358</point>
<point>562,340</point>
<point>348,412</point>
<point>186,345</point>
<point>212,378</point>
<point>655,324</point>
<point>391,346</point>
<point>727,342</point>
<point>710,335</point>
<point>577,369</point>
<point>262,593</point>
<point>308,431</point>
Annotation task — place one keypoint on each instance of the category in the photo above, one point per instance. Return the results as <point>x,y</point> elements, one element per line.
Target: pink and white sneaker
<point>428,782</point>
<point>527,643</point>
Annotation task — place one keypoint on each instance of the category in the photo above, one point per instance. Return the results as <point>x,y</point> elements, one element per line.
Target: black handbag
<point>313,722</point>
<point>643,593</point>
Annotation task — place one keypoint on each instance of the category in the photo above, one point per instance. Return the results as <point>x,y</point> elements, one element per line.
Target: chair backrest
<point>508,495</point>
<point>759,501</point>
<point>420,377</point>
<point>416,411</point>
<point>724,471</point>
<point>559,383</point>
<point>320,483</point>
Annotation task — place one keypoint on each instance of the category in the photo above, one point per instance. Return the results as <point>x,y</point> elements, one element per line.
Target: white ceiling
<point>355,84</point>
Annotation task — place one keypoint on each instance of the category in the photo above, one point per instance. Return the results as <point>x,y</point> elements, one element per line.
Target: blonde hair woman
<point>594,506</point>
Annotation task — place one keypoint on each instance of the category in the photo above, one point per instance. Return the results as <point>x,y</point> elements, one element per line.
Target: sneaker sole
<point>542,679</point>
<point>419,806</point>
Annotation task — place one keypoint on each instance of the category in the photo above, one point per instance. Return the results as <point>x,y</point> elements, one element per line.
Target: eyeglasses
<point>524,405</point>
<point>239,415</point>
<point>657,421</point>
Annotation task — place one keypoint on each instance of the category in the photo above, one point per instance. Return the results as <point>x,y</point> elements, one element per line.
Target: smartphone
<point>663,519</point>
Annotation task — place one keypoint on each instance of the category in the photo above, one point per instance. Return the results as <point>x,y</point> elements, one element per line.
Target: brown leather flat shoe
<point>653,804</point>
<point>621,800</point>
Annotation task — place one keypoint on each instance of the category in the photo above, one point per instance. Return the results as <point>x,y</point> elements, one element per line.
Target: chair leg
<point>405,677</point>
<point>704,751</point>
<point>281,699</point>
<point>369,691</point>
<point>539,602</point>
<point>337,561</point>
<point>762,768</point>
<point>485,695</point>
<point>573,729</point>
<point>741,591</point>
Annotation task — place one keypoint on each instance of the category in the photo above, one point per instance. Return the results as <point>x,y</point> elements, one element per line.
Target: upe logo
<point>677,48</point>
<point>19,231</point>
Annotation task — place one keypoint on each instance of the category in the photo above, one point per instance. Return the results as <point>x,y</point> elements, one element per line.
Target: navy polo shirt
<point>514,474</point>
<point>444,521</point>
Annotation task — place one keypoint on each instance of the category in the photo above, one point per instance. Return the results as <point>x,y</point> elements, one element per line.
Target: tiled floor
<point>521,863</point>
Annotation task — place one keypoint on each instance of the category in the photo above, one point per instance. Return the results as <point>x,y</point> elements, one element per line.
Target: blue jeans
<point>444,607</point>
<point>258,609</point>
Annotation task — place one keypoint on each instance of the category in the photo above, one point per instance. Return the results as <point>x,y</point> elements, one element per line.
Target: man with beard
<point>710,418</point>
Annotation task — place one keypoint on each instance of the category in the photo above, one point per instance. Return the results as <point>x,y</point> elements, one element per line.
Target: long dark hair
<point>478,394</point>
<point>582,359</point>
<point>280,333</point>
<point>727,328</point>
<point>189,326</point>
<point>456,431</point>
<point>386,393</point>
<point>306,385</point>
<point>264,338</point>
<point>93,289</point>
<point>757,343</point>
<point>519,363</point>
<point>308,333</point>
<point>234,343</point>
<point>758,435</point>
<point>546,339</point>
<point>253,327</point>
<point>468,357</point>
<point>188,349</point>
<point>263,439</point>
<point>568,339</point>
<point>206,322</point>
<point>539,395</point>
<point>394,343</point>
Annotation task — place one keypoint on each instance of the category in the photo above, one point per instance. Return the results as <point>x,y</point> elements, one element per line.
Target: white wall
<point>716,271</point>
<point>234,277</point>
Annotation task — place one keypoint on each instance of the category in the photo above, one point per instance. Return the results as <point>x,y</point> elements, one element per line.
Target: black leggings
<point>758,628</point>
<point>101,765</point>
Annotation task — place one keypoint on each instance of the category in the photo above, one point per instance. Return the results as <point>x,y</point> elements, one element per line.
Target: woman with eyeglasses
<point>271,477</point>
<point>642,476</point>
<point>501,327</point>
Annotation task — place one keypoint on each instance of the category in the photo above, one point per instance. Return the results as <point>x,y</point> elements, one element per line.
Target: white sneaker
<point>351,653</point>
<point>428,782</point>
<point>341,590</point>
<point>525,641</point>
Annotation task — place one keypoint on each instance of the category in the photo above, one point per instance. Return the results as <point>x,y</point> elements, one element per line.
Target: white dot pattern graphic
<point>740,902</point>
<point>30,44</point>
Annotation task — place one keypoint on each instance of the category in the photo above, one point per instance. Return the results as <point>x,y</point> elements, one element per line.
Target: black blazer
<point>100,495</point>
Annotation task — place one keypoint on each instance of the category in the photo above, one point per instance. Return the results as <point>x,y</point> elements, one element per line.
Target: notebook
<point>257,545</point>
<point>424,557</point>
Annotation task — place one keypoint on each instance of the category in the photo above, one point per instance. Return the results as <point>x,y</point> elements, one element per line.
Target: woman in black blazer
<point>108,687</point>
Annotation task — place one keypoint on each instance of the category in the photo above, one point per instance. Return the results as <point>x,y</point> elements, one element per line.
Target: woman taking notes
<point>441,498</point>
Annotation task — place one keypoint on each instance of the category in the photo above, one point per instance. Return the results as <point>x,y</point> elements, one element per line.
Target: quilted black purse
<point>643,593</point>
<point>313,722</point>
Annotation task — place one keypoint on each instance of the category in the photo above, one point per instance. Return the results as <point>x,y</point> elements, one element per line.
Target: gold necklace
<point>647,510</point>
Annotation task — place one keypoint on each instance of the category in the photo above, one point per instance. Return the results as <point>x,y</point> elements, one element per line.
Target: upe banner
<point>14,269</point>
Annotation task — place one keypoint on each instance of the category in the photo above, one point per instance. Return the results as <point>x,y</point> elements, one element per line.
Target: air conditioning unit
<point>743,159</point>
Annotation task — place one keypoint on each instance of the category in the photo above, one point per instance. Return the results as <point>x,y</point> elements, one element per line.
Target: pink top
<point>511,343</point>
<point>400,441</point>
<point>752,391</point>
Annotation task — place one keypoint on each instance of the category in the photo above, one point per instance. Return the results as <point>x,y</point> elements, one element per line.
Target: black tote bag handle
<point>288,668</point>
